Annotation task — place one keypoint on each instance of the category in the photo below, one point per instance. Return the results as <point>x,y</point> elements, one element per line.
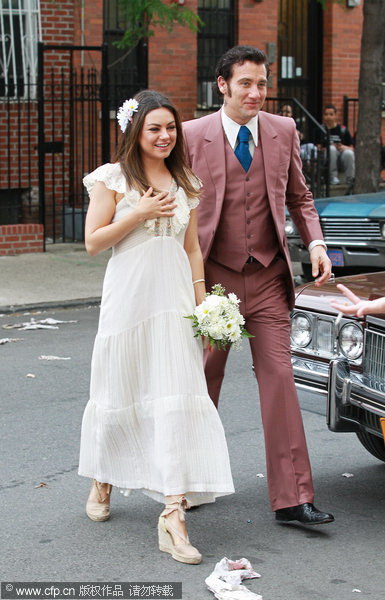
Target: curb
<point>54,304</point>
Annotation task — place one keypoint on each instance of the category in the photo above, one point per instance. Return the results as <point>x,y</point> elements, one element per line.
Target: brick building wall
<point>172,65</point>
<point>21,239</point>
<point>92,35</point>
<point>341,60</point>
<point>258,26</point>
<point>57,21</point>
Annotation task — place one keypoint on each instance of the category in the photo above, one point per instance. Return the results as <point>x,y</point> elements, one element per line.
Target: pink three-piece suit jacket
<point>285,183</point>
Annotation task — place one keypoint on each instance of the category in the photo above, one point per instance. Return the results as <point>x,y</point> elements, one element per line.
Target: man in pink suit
<point>250,166</point>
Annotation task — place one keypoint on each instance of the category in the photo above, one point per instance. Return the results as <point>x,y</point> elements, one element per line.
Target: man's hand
<point>321,265</point>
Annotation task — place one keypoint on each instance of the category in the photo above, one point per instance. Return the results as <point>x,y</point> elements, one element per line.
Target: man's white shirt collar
<point>231,129</point>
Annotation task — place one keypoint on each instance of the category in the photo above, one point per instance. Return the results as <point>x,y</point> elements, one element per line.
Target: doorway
<point>300,36</point>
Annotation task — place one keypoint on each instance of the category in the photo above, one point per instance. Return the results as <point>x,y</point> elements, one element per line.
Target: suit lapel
<point>271,153</point>
<point>214,150</point>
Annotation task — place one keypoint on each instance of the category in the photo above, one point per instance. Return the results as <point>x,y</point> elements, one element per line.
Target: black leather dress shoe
<point>304,513</point>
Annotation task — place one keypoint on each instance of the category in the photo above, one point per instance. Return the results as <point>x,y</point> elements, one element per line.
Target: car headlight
<point>301,330</point>
<point>351,340</point>
<point>383,230</point>
<point>290,227</point>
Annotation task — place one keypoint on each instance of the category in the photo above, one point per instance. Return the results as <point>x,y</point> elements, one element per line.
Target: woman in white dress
<point>149,423</point>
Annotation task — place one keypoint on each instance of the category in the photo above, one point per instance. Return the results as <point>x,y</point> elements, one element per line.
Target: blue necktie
<point>242,151</point>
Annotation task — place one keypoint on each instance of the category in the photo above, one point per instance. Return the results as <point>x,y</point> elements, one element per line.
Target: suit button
<point>248,194</point>
<point>247,207</point>
<point>248,221</point>
<point>247,178</point>
<point>250,235</point>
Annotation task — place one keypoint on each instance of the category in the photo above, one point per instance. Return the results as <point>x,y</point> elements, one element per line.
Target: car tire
<point>372,443</point>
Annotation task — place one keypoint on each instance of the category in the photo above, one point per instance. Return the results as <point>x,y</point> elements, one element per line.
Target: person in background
<point>341,147</point>
<point>308,150</point>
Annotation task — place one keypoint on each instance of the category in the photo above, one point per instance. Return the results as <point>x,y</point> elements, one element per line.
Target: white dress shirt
<point>231,129</point>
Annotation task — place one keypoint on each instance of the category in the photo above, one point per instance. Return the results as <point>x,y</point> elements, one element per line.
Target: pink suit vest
<point>246,226</point>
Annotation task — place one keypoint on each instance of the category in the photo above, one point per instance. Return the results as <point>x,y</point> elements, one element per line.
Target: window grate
<point>20,31</point>
<point>215,37</point>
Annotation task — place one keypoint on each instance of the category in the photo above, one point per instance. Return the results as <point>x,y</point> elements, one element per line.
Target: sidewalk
<point>64,275</point>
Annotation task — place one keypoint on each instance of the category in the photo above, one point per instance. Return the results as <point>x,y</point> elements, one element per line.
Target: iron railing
<point>63,128</point>
<point>350,114</point>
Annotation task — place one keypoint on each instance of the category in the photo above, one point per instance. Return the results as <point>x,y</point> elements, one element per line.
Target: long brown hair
<point>128,152</point>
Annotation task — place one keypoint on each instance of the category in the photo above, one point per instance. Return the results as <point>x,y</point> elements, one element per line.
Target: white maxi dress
<point>149,423</point>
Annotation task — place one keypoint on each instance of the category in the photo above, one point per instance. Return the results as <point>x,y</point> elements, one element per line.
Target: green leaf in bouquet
<point>218,290</point>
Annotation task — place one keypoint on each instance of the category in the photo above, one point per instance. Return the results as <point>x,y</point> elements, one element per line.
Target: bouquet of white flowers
<point>218,318</point>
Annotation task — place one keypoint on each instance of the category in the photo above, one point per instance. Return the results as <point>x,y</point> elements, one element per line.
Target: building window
<point>20,29</point>
<point>127,69</point>
<point>215,37</point>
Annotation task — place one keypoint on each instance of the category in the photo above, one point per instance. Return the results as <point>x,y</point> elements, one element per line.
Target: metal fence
<point>73,135</point>
<point>62,127</point>
<point>350,114</point>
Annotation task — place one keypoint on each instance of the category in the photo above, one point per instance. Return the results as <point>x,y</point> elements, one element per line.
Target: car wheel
<point>373,444</point>
<point>306,270</point>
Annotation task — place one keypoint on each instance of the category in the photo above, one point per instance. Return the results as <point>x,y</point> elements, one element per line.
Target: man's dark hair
<point>330,106</point>
<point>238,55</point>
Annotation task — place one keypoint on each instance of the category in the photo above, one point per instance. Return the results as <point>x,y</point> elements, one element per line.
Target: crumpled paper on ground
<point>53,357</point>
<point>40,324</point>
<point>225,581</point>
<point>6,340</point>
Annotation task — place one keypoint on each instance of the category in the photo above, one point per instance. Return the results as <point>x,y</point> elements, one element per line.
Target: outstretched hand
<point>358,307</point>
<point>321,265</point>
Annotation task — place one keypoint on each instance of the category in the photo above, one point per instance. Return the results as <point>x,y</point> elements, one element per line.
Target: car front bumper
<point>310,375</point>
<point>351,404</point>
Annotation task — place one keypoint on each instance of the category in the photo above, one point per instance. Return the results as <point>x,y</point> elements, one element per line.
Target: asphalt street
<point>46,535</point>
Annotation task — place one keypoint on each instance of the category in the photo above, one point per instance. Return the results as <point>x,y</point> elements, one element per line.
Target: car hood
<point>368,286</point>
<point>358,205</point>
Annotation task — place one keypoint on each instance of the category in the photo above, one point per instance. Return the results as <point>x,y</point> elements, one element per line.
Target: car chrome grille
<point>374,366</point>
<point>351,229</point>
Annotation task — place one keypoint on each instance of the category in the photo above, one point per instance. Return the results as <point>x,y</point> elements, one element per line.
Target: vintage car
<point>354,230</point>
<point>343,359</point>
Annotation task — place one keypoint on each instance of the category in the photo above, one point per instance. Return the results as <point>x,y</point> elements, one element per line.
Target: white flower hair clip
<point>126,112</point>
